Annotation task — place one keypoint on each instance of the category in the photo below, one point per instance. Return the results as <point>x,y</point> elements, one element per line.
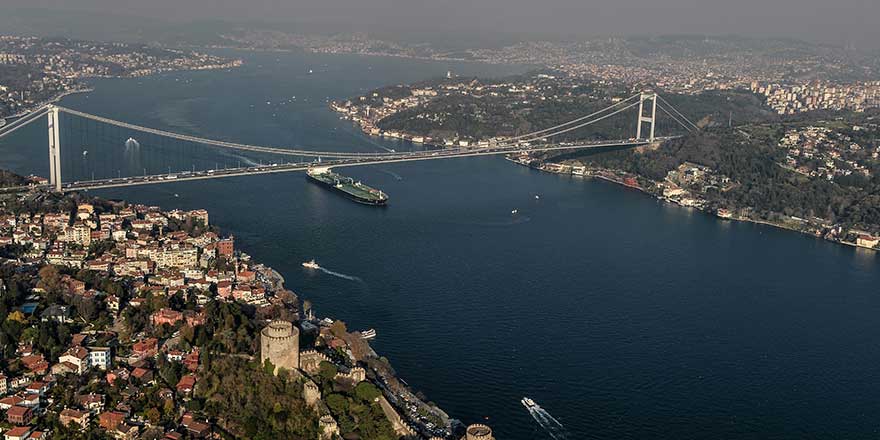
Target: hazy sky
<point>835,21</point>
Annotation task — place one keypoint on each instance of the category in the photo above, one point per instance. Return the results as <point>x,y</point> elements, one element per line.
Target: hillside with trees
<point>751,157</point>
<point>500,108</point>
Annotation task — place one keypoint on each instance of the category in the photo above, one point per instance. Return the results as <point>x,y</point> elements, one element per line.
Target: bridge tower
<point>54,149</point>
<point>650,119</point>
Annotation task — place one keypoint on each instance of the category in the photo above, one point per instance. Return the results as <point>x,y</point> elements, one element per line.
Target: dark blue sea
<point>623,317</point>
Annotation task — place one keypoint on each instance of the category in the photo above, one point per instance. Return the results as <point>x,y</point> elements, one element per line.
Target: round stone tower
<point>479,432</point>
<point>279,343</point>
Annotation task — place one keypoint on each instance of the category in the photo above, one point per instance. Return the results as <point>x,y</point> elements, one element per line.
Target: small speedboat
<point>528,403</point>
<point>311,264</point>
<point>514,211</point>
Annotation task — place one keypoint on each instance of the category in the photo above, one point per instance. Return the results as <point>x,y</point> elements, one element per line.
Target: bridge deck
<point>303,166</point>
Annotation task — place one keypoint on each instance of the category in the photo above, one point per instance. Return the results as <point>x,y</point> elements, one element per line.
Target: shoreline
<point>408,137</point>
<point>88,89</point>
<point>403,407</point>
<point>364,54</point>
<point>703,210</point>
<point>398,394</point>
<point>52,100</point>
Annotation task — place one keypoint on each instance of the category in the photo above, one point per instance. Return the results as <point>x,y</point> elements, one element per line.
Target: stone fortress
<point>479,432</point>
<point>279,344</point>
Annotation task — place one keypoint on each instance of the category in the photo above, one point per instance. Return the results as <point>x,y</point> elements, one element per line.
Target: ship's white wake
<point>549,423</point>
<point>396,176</point>
<point>245,160</point>
<point>378,145</point>
<point>341,275</point>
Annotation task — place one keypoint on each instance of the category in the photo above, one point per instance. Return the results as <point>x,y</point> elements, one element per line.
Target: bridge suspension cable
<point>581,125</point>
<point>574,121</point>
<point>675,118</point>
<point>678,113</point>
<point>23,121</point>
<point>223,144</point>
<point>528,137</point>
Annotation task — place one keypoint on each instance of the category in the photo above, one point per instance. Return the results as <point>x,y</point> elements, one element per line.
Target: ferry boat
<point>528,403</point>
<point>352,189</point>
<point>368,334</point>
<point>311,264</point>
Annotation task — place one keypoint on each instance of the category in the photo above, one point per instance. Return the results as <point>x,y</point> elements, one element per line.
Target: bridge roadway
<point>338,163</point>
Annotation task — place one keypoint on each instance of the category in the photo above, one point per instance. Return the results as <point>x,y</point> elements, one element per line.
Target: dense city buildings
<point>792,76</point>
<point>795,98</point>
<point>145,312</point>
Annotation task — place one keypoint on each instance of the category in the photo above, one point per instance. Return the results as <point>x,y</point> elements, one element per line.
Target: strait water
<point>622,316</point>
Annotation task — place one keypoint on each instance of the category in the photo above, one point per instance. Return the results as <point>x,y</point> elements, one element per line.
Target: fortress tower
<point>279,343</point>
<point>311,393</point>
<point>479,432</point>
<point>327,428</point>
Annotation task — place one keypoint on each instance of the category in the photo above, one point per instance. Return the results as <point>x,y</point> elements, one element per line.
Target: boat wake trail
<point>244,160</point>
<point>374,143</point>
<point>500,224</point>
<point>341,275</point>
<point>396,176</point>
<point>549,423</point>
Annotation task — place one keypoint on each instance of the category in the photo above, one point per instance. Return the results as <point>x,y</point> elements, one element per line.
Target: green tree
<point>366,392</point>
<point>337,403</point>
<point>327,371</point>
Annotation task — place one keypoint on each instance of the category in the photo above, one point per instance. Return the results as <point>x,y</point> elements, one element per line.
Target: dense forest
<point>253,403</point>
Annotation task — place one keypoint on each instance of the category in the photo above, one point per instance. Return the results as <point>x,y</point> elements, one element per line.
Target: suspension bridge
<point>535,141</point>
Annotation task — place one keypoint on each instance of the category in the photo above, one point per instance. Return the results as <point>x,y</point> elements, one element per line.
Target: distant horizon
<point>141,26</point>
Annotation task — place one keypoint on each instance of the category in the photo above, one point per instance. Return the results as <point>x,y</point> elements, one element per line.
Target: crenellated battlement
<point>310,361</point>
<point>478,431</point>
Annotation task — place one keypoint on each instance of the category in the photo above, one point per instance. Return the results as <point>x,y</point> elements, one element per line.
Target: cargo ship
<point>349,187</point>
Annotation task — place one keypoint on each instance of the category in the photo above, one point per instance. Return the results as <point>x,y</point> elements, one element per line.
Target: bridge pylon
<point>54,148</point>
<point>645,96</point>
